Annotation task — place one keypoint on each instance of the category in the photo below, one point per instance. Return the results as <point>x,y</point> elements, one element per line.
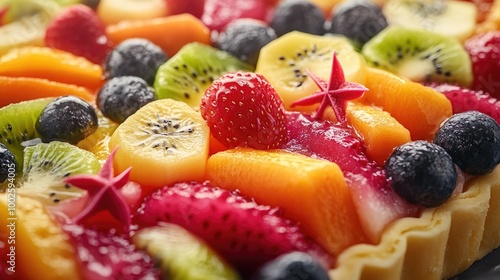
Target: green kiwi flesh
<point>419,55</point>
<point>187,74</point>
<point>47,164</point>
<point>17,125</point>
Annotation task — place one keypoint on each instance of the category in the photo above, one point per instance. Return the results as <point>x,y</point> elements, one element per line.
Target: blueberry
<point>294,265</point>
<point>473,141</point>
<point>244,38</point>
<point>67,118</point>
<point>298,15</point>
<point>7,163</point>
<point>358,20</point>
<point>135,57</point>
<point>422,173</point>
<point>120,97</point>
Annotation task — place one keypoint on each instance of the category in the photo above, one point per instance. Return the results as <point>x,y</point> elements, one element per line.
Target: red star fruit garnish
<point>335,93</point>
<point>103,193</point>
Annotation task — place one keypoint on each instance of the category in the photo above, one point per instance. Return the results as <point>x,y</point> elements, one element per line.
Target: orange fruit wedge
<point>308,190</point>
<point>418,108</point>
<point>51,64</point>
<point>17,89</point>
<point>170,33</point>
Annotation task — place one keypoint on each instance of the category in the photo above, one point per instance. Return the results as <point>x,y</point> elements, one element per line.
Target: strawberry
<point>240,230</point>
<point>109,256</point>
<point>243,109</point>
<point>78,30</point>
<point>219,13</point>
<point>484,51</point>
<point>463,99</point>
<point>194,7</point>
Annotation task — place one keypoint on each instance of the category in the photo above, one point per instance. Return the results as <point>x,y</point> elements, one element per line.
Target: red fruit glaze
<point>194,7</point>
<point>484,50</point>
<point>463,99</point>
<point>109,256</point>
<point>219,13</point>
<point>243,109</point>
<point>78,30</point>
<point>377,204</point>
<point>243,232</point>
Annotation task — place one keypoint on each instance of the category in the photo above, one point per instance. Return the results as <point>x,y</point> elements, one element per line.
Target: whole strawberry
<point>243,109</point>
<point>484,50</point>
<point>78,30</point>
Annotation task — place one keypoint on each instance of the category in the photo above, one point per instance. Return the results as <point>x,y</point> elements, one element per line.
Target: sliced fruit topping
<point>185,28</point>
<point>182,255</point>
<point>64,67</point>
<point>165,141</point>
<point>452,18</point>
<point>284,180</point>
<point>109,256</point>
<point>116,11</point>
<point>243,232</point>
<point>218,14</point>
<point>421,172</point>
<point>419,55</point>
<point>7,164</point>
<point>376,203</point>
<point>185,76</point>
<point>243,109</point>
<point>290,266</point>
<point>335,93</point>
<point>15,131</point>
<point>357,20</point>
<point>66,118</point>
<point>244,38</point>
<point>78,30</point>
<point>473,141</point>
<point>47,164</point>
<point>284,62</point>
<point>135,57</point>
<point>418,108</point>
<point>103,193</point>
<point>299,15</point>
<point>17,89</point>
<point>122,96</point>
<point>484,51</point>
<point>42,247</point>
<point>194,7</point>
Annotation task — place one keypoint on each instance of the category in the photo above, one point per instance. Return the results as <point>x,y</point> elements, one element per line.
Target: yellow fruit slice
<point>42,249</point>
<point>284,62</point>
<point>164,142</point>
<point>310,191</point>
<point>98,142</point>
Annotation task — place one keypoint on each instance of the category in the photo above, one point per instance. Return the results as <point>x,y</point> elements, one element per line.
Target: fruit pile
<point>248,139</point>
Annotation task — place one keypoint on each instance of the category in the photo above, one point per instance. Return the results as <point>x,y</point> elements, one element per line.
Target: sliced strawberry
<point>243,232</point>
<point>109,256</point>
<point>220,13</point>
<point>243,109</point>
<point>78,30</point>
<point>484,51</point>
<point>463,99</point>
<point>194,7</point>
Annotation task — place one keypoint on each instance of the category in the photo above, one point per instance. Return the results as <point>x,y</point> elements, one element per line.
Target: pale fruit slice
<point>164,142</point>
<point>451,18</point>
<point>42,249</point>
<point>284,62</point>
<point>114,11</point>
<point>181,254</point>
<point>308,190</point>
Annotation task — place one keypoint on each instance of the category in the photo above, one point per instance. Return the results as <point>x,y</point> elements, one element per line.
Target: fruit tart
<point>255,139</point>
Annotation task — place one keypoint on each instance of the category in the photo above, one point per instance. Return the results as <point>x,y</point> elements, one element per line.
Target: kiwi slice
<point>45,166</point>
<point>17,125</point>
<point>181,255</point>
<point>187,74</point>
<point>419,55</point>
<point>285,60</point>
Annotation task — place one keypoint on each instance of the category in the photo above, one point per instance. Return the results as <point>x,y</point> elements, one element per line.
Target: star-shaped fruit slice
<point>336,93</point>
<point>103,191</point>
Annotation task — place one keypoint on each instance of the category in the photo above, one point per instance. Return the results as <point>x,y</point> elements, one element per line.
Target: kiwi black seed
<point>163,130</point>
<point>419,55</point>
<point>47,164</point>
<point>187,75</point>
